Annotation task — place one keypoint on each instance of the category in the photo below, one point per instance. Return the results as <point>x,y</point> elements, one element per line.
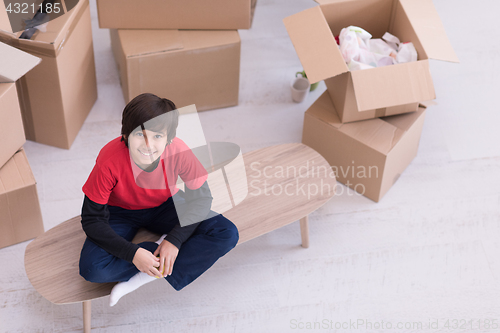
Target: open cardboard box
<point>21,217</point>
<point>13,65</point>
<point>175,14</point>
<point>367,156</point>
<point>200,67</point>
<point>57,95</point>
<point>375,92</point>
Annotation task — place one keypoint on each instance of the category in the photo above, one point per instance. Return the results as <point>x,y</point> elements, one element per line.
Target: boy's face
<point>146,146</point>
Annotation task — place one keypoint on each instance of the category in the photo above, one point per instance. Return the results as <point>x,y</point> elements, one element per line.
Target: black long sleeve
<point>197,207</point>
<point>95,223</point>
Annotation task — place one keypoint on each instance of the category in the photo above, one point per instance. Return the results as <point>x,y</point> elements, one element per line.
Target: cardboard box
<point>198,67</point>
<point>11,122</point>
<point>367,156</point>
<point>312,32</point>
<point>21,217</point>
<point>175,14</point>
<point>57,95</point>
<point>13,64</point>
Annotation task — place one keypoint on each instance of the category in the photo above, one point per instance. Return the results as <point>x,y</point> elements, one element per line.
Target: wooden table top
<point>286,182</point>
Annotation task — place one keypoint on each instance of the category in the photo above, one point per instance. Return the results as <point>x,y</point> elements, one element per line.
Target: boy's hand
<point>146,262</point>
<point>167,253</point>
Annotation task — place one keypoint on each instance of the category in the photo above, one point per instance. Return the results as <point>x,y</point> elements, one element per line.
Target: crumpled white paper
<point>360,51</point>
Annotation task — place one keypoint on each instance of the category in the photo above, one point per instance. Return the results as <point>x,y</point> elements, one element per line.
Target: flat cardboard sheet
<point>15,63</point>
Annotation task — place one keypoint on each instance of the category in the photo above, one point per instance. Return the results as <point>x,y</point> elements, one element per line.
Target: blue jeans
<point>212,239</point>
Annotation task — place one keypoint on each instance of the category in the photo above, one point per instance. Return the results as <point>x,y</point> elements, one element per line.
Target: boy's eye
<point>138,133</point>
<point>158,136</point>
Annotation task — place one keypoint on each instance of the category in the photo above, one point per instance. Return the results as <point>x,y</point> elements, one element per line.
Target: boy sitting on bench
<point>132,186</point>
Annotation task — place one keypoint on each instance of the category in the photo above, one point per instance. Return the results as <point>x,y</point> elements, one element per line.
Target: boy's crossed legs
<point>213,238</point>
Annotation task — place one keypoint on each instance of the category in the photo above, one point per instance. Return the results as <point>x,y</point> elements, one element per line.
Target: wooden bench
<point>281,180</point>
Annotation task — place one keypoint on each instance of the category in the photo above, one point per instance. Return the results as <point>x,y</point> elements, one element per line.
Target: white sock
<point>123,288</point>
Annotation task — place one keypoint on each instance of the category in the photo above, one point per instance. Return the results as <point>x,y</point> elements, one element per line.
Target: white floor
<point>429,251</point>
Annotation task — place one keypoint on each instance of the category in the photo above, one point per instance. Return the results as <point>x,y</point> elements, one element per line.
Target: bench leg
<point>304,231</point>
<point>86,316</point>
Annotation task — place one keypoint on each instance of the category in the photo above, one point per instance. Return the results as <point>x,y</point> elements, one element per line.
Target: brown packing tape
<point>44,49</point>
<point>24,103</point>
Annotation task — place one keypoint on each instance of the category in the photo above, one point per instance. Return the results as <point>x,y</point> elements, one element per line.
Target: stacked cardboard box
<point>174,14</point>
<point>186,66</point>
<point>57,95</point>
<point>199,66</point>
<point>359,98</point>
<point>367,156</point>
<point>21,217</point>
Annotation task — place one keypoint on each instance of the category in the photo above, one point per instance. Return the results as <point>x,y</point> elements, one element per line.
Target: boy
<point>132,185</point>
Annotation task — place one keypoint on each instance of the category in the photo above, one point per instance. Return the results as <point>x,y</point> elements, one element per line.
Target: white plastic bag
<point>361,52</point>
<point>352,40</point>
<point>407,53</point>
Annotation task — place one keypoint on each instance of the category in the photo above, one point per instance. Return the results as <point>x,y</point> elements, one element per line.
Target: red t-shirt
<point>117,181</point>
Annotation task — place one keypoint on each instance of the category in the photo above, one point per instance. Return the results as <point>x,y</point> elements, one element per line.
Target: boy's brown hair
<point>148,111</point>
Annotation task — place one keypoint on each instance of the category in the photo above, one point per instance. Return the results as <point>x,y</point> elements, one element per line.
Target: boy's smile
<point>146,146</point>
